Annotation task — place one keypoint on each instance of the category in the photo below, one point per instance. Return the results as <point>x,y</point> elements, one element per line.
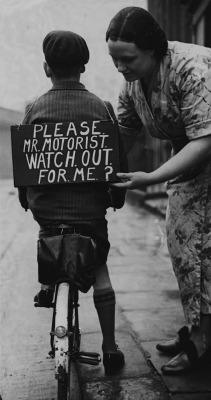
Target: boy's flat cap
<point>65,48</point>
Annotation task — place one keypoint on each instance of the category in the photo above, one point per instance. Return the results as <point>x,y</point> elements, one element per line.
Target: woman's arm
<point>192,155</point>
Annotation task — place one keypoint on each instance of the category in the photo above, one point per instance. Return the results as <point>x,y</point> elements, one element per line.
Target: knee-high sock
<point>104,300</point>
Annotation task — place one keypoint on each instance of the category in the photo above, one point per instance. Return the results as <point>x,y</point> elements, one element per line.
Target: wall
<point>173,17</point>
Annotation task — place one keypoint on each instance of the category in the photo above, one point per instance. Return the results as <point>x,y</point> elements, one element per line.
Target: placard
<point>61,153</point>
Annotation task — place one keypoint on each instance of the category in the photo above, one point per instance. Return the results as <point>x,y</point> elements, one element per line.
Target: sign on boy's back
<point>67,152</point>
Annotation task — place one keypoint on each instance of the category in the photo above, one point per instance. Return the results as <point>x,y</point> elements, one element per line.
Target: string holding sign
<point>76,151</point>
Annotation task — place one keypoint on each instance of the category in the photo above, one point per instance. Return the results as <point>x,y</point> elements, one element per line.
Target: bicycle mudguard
<point>68,257</point>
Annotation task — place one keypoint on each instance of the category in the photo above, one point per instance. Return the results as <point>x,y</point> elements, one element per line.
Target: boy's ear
<point>82,69</point>
<point>47,70</point>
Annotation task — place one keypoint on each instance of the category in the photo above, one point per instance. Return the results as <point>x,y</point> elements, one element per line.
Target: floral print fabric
<point>177,107</point>
<point>188,225</point>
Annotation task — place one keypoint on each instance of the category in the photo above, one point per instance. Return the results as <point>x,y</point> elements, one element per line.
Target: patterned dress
<point>177,107</point>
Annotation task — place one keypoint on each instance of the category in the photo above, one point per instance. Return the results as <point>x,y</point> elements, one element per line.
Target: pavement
<point>148,310</point>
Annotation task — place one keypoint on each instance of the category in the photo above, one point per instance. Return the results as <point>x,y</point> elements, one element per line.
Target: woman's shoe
<point>186,360</point>
<point>170,347</point>
<point>113,362</point>
<point>173,347</point>
<point>177,365</point>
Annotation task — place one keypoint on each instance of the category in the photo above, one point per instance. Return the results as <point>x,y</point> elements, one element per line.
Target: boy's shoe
<point>44,298</point>
<point>113,362</point>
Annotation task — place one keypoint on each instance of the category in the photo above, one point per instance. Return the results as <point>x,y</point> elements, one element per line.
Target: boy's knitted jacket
<point>65,102</point>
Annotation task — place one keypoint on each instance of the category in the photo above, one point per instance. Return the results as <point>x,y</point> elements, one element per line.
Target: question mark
<point>110,170</point>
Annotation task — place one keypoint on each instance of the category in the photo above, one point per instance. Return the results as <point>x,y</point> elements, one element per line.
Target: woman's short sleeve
<point>194,82</point>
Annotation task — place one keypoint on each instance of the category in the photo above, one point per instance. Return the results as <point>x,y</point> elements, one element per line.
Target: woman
<point>167,89</point>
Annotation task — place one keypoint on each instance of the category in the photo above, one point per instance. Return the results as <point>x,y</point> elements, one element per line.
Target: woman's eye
<point>128,60</point>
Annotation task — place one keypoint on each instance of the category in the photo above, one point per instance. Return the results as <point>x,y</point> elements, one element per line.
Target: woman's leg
<point>189,242</point>
<point>201,336</point>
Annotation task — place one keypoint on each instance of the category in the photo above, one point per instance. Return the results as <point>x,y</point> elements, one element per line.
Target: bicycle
<point>65,332</point>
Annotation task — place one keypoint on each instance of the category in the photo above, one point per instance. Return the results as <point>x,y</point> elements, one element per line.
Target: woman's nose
<point>121,67</point>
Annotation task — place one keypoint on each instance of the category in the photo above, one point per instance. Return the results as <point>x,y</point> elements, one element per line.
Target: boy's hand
<point>22,198</point>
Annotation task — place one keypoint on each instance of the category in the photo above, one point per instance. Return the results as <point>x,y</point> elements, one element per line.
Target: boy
<point>83,204</point>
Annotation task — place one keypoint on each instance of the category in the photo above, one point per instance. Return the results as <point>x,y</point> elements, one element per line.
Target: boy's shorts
<point>96,229</point>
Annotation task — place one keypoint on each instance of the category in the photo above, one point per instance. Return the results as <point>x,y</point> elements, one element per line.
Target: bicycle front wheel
<point>62,388</point>
<point>67,343</point>
<point>61,340</point>
<point>73,384</point>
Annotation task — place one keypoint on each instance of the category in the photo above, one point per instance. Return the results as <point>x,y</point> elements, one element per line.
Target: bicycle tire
<point>60,319</point>
<point>62,392</point>
<point>73,385</point>
<point>66,315</point>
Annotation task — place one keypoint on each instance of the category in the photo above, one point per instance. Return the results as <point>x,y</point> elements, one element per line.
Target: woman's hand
<point>192,155</point>
<point>133,180</point>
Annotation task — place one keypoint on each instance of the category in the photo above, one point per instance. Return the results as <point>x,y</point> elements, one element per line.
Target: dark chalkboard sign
<point>77,151</point>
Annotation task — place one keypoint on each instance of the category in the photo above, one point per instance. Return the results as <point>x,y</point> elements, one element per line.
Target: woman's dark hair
<point>134,24</point>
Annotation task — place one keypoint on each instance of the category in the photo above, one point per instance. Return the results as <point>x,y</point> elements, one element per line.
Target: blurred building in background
<point>184,20</point>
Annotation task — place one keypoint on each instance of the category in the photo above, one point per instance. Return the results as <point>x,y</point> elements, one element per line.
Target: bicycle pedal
<point>44,305</point>
<point>89,354</point>
<point>89,358</point>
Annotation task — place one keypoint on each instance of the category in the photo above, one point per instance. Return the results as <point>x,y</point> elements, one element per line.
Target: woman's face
<point>130,61</point>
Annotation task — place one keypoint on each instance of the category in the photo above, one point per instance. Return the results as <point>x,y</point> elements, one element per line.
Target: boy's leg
<point>104,300</point>
<point>44,297</point>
